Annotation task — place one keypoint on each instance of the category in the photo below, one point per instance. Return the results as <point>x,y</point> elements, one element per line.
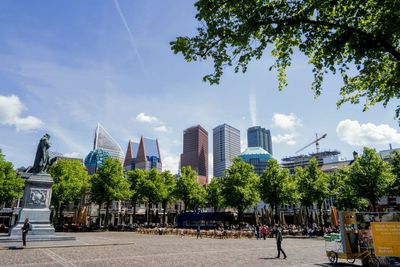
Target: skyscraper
<point>195,151</point>
<point>259,137</point>
<point>226,146</point>
<point>103,140</point>
<point>148,155</point>
<point>130,155</point>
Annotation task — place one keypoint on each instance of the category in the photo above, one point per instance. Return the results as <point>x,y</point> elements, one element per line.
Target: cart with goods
<point>365,238</point>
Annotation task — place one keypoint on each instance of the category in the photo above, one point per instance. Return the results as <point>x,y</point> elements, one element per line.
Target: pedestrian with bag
<point>25,228</point>
<point>279,238</point>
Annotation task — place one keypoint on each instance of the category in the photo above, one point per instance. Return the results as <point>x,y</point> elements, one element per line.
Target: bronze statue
<point>42,158</point>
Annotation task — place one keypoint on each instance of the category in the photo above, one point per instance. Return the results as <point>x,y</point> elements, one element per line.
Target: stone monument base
<point>36,202</point>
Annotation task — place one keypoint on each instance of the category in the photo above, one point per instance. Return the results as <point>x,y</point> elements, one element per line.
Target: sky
<point>67,65</point>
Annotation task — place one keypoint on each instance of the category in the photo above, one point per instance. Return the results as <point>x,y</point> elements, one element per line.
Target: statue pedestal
<point>35,206</point>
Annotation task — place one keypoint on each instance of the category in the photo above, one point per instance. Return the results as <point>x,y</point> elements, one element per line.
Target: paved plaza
<point>131,249</point>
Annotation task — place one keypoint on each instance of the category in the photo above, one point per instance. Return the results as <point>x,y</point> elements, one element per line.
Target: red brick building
<point>195,152</point>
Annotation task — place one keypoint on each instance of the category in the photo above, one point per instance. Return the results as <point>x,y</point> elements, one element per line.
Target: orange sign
<point>386,237</point>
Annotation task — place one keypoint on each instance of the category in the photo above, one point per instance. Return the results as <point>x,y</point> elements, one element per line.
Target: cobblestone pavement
<point>131,249</point>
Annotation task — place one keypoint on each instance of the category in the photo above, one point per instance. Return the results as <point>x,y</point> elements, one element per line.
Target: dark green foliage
<point>70,182</point>
<point>334,35</point>
<point>239,187</point>
<point>109,184</point>
<point>370,177</point>
<point>11,184</point>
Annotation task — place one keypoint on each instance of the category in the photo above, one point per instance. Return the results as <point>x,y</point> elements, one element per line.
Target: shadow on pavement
<point>14,248</point>
<point>270,258</point>
<point>337,264</point>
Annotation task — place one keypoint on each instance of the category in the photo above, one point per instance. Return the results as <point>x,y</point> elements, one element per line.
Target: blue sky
<point>67,65</point>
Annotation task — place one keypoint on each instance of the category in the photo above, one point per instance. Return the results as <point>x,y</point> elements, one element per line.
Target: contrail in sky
<point>129,33</point>
<point>253,108</point>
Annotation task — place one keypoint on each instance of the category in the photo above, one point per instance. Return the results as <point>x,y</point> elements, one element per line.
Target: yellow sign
<point>386,237</point>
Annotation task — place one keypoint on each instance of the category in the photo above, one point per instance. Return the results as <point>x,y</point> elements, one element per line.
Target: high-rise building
<point>226,146</point>
<point>259,137</point>
<point>195,151</point>
<point>104,146</point>
<point>103,140</point>
<point>130,156</point>
<point>148,155</point>
<point>258,157</point>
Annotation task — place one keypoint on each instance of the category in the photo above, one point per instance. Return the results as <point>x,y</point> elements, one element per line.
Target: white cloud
<point>354,133</point>
<point>72,155</point>
<point>286,122</point>
<point>284,138</point>
<point>170,162</point>
<point>10,114</point>
<point>142,117</point>
<point>161,128</point>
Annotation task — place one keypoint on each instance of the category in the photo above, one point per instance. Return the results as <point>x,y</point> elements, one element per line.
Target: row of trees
<point>358,186</point>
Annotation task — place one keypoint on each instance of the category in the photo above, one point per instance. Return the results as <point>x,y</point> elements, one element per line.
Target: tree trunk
<point>307,216</point>
<point>106,220</point>
<point>164,211</point>
<point>373,204</point>
<point>277,219</point>
<point>321,214</point>
<point>148,212</point>
<point>240,215</point>
<point>61,218</point>
<point>134,212</point>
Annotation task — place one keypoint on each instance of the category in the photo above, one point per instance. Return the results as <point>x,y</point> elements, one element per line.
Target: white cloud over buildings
<point>353,132</point>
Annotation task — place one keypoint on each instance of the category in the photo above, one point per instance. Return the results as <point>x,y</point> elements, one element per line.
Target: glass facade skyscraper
<point>226,146</point>
<point>259,137</point>
<point>103,140</point>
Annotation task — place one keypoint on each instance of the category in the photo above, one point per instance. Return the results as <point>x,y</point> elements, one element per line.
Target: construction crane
<point>316,142</point>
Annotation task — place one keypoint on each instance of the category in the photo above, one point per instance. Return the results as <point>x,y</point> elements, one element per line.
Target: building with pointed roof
<point>148,155</point>
<point>130,155</point>
<point>103,140</point>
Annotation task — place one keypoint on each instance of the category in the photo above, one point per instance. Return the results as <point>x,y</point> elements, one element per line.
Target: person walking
<point>279,238</point>
<point>199,232</point>
<point>25,228</point>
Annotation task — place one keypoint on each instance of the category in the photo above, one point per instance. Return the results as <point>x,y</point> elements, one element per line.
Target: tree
<point>357,38</point>
<point>276,186</point>
<point>134,177</point>
<point>239,186</point>
<point>11,184</point>
<point>70,182</point>
<point>395,162</point>
<point>346,198</point>
<point>213,194</point>
<point>167,190</point>
<point>189,190</point>
<point>150,189</point>
<point>370,176</point>
<point>312,186</point>
<point>109,184</point>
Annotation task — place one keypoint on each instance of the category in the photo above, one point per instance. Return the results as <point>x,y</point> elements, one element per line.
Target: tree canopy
<point>239,186</point>
<point>395,161</point>
<point>11,184</point>
<point>357,38</point>
<point>189,190</point>
<point>70,181</point>
<point>109,184</point>
<point>370,177</point>
<point>213,194</point>
<point>276,186</point>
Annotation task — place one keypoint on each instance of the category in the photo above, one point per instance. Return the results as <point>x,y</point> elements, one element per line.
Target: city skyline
<point>61,74</point>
